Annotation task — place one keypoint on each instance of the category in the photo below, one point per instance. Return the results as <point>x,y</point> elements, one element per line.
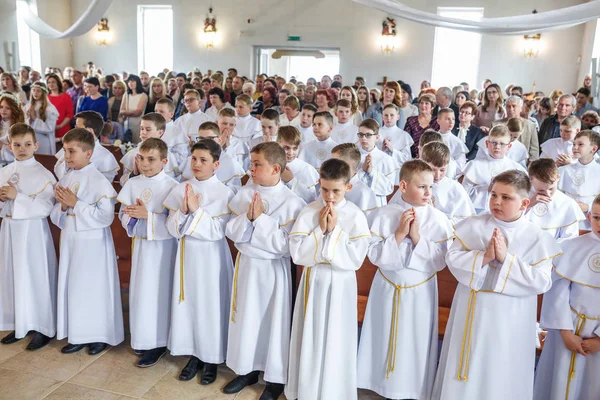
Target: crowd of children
<point>317,197</point>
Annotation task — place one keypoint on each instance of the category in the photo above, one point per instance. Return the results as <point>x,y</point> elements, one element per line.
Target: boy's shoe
<point>272,391</point>
<point>151,357</point>
<point>209,375</point>
<point>96,348</point>
<point>38,341</point>
<point>191,369</point>
<point>139,352</point>
<point>241,382</point>
<point>72,348</point>
<point>10,338</point>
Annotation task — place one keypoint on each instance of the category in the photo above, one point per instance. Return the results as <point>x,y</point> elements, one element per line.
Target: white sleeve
<point>344,252</point>
<point>556,311</point>
<point>304,247</point>
<point>94,216</point>
<point>269,236</point>
<point>519,278</point>
<point>38,206</point>
<point>466,266</point>
<point>204,226</point>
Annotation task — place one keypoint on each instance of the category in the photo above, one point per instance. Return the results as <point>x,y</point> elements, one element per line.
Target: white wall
<point>56,13</point>
<point>343,24</point>
<point>8,32</point>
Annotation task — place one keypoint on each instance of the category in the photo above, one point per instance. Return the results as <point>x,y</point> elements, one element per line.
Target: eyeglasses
<point>466,113</point>
<point>365,135</point>
<point>498,144</point>
<point>189,100</point>
<point>199,138</point>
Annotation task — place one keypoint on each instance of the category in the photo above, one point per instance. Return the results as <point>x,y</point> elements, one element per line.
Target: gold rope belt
<point>235,278</point>
<point>393,339</point>
<point>181,270</point>
<point>581,319</point>
<point>465,349</point>
<point>306,286</point>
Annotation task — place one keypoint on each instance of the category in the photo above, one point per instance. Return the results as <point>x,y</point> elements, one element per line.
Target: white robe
<point>230,172</point>
<point>259,329</point>
<point>575,294</point>
<point>212,113</point>
<point>177,142</point>
<point>344,133</point>
<point>295,122</point>
<point>238,149</point>
<point>89,295</point>
<point>383,177</point>
<point>44,130</point>
<point>479,175</point>
<point>308,134</point>
<point>27,257</point>
<point>261,139</point>
<point>324,335</point>
<point>6,155</point>
<point>401,142</point>
<point>458,150</point>
<point>560,218</point>
<point>489,345</point>
<point>397,357</point>
<point>128,161</point>
<point>517,152</point>
<point>552,148</point>
<point>102,159</point>
<point>317,151</point>
<point>153,257</point>
<point>247,128</point>
<point>203,272</point>
<point>305,181</point>
<point>581,183</point>
<point>362,196</point>
<point>189,123</point>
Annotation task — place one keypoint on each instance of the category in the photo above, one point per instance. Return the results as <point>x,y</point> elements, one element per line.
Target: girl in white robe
<point>572,305</point>
<point>44,125</point>
<point>153,258</point>
<point>28,277</point>
<point>89,294</point>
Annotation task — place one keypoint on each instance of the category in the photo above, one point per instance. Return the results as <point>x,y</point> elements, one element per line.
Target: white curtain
<point>88,20</point>
<point>517,25</point>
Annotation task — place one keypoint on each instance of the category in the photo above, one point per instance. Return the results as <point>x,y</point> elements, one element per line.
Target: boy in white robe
<point>316,151</point>
<point>344,130</point>
<point>152,125</point>
<point>291,112</point>
<point>480,173</point>
<point>551,209</point>
<point>102,159</point>
<point>453,171</point>
<point>299,176</point>
<point>27,277</point>
<point>458,150</point>
<point>580,180</point>
<point>144,217</point>
<point>89,310</point>
<point>177,141</point>
<point>502,262</point>
<point>393,141</point>
<point>235,147</point>
<point>189,123</point>
<point>229,172</point>
<point>247,127</point>
<point>359,194</point>
<point>561,149</point>
<point>568,366</point>
<point>330,239</point>
<point>201,298</point>
<point>259,329</point>
<point>377,170</point>
<point>517,152</point>
<point>269,121</point>
<point>448,195</point>
<point>397,357</point>
<point>306,120</point>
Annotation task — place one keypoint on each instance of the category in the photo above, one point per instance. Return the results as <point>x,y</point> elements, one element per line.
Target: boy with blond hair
<point>317,151</point>
<point>393,141</point>
<point>344,130</point>
<point>246,127</point>
<point>517,152</point>
<point>236,148</point>
<point>306,122</point>
<point>291,112</point>
<point>458,149</point>
<point>299,176</point>
<point>177,141</point>
<point>561,149</point>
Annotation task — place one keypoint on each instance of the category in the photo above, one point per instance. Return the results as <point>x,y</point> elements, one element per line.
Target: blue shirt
<point>99,105</point>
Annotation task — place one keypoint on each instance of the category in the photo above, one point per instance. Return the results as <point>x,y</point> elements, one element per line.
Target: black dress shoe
<point>39,340</point>
<point>151,357</point>
<point>139,352</point>
<point>241,382</point>
<point>96,348</point>
<point>209,375</point>
<point>272,391</point>
<point>72,348</point>
<point>191,369</point>
<point>9,339</point>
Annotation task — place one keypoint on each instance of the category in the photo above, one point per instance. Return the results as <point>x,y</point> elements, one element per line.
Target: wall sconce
<point>388,36</point>
<point>103,34</point>
<point>209,33</point>
<point>531,45</point>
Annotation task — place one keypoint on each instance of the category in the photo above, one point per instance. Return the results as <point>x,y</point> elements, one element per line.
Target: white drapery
<point>87,21</point>
<point>517,25</point>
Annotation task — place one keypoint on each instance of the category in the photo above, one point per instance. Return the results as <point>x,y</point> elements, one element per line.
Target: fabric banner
<point>517,25</point>
<point>88,20</point>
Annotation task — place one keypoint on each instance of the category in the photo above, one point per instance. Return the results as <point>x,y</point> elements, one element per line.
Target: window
<point>301,63</point>
<point>29,40</point>
<point>456,53</point>
<point>155,38</point>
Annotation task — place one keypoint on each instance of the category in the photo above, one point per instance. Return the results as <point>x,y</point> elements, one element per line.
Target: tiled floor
<point>112,375</point>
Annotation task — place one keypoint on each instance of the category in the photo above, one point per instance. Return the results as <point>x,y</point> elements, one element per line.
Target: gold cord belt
<point>235,278</point>
<point>306,286</point>
<point>393,338</point>
<point>465,350</point>
<point>581,319</point>
<point>181,270</point>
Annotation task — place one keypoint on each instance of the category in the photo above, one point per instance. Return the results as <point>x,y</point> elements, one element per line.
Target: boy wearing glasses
<point>377,170</point>
<point>479,173</point>
<point>190,122</point>
<point>469,134</point>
